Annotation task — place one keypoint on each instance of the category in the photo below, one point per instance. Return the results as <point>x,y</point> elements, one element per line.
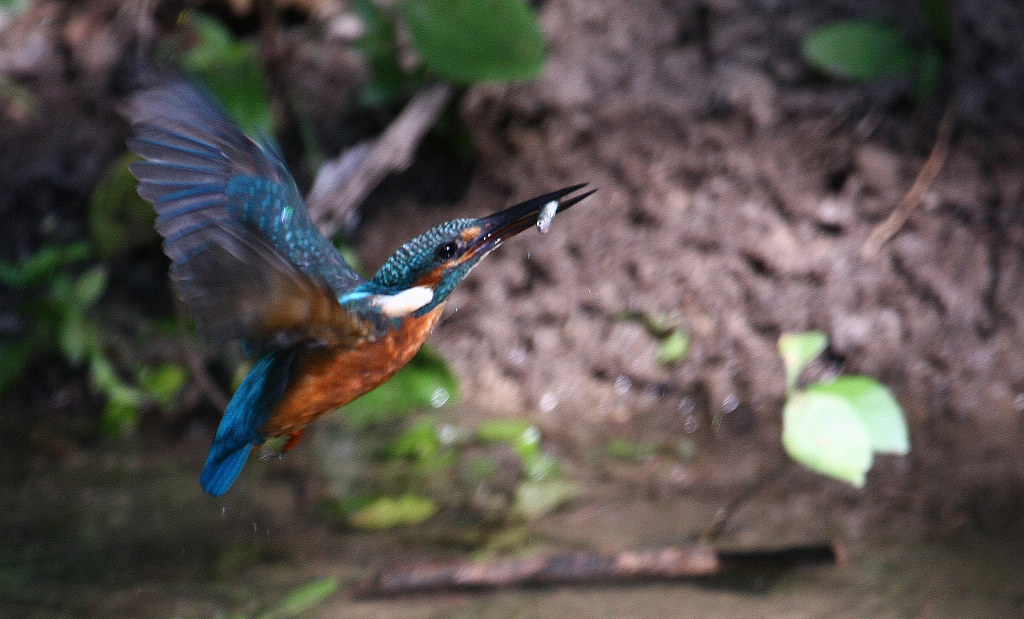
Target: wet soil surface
<point>736,191</point>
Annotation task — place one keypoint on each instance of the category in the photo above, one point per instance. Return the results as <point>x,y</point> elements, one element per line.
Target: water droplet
<point>548,402</point>
<point>517,356</point>
<point>447,433</point>
<point>730,403</point>
<point>531,436</point>
<point>1019,402</point>
<point>440,397</point>
<point>686,405</point>
<point>690,424</point>
<point>622,384</point>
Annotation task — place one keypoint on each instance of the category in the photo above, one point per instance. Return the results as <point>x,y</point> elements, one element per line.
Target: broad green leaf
<point>874,405</point>
<point>537,498</point>
<point>799,349</point>
<point>104,377</point>
<point>119,418</point>
<point>502,430</point>
<point>119,219</point>
<point>470,41</point>
<point>540,466</point>
<point>231,69</point>
<point>76,337</point>
<point>860,50</point>
<point>164,382</point>
<point>303,599</point>
<point>89,286</point>
<point>41,265</point>
<point>674,348</point>
<point>378,44</point>
<point>387,512</point>
<point>14,7</point>
<point>425,382</point>
<point>625,449</point>
<point>823,432</point>
<point>421,443</point>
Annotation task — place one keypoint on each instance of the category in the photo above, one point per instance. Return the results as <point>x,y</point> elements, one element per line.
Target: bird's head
<point>423,272</point>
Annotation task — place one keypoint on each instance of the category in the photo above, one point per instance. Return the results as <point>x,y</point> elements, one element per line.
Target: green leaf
<point>540,466</point>
<point>502,430</point>
<point>798,350</point>
<point>877,410</point>
<point>425,382</point>
<point>674,348</point>
<point>119,219</point>
<point>119,418</point>
<point>470,41</point>
<point>89,286</point>
<point>77,337</point>
<point>14,7</point>
<point>379,46</point>
<point>387,512</point>
<point>421,443</point>
<point>303,599</point>
<point>824,433</point>
<point>537,498</point>
<point>164,382</point>
<point>231,69</point>
<point>860,50</point>
<point>42,265</point>
<point>632,451</point>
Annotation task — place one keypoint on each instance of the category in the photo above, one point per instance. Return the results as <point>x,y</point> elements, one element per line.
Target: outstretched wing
<point>245,256</point>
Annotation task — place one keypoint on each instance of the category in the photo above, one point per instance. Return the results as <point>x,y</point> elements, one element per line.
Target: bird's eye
<point>446,251</point>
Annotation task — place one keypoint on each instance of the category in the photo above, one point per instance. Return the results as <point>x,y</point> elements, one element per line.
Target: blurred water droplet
<point>730,403</point>
<point>440,397</point>
<point>447,433</point>
<point>548,402</point>
<point>622,385</point>
<point>517,356</point>
<point>686,405</point>
<point>690,424</point>
<point>1019,401</point>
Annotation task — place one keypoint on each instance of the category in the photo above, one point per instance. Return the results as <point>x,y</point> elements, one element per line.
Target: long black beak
<point>494,229</point>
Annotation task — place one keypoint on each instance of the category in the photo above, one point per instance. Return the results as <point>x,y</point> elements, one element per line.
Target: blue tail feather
<point>239,429</point>
<point>221,472</point>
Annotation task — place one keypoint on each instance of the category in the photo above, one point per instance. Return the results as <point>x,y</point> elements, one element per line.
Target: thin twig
<point>726,513</point>
<point>197,364</point>
<point>345,181</point>
<point>586,568</point>
<point>899,216</point>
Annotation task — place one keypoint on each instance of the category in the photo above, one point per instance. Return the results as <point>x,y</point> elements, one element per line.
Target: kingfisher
<point>250,265</point>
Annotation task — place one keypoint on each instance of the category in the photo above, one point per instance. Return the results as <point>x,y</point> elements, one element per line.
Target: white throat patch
<point>405,302</point>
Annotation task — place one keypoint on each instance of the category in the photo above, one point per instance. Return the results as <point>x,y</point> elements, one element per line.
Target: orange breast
<point>325,379</point>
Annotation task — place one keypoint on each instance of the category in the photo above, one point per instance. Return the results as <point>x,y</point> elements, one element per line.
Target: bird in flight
<point>248,262</point>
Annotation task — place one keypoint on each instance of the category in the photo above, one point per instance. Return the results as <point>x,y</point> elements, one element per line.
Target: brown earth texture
<point>737,188</point>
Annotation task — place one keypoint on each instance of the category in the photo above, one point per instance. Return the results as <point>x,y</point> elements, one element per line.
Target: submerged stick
<point>585,568</point>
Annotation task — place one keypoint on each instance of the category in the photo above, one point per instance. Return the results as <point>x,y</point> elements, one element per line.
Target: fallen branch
<point>899,216</point>
<point>586,568</point>
<point>344,182</point>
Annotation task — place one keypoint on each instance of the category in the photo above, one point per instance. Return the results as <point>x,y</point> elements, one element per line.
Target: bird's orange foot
<point>293,439</point>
